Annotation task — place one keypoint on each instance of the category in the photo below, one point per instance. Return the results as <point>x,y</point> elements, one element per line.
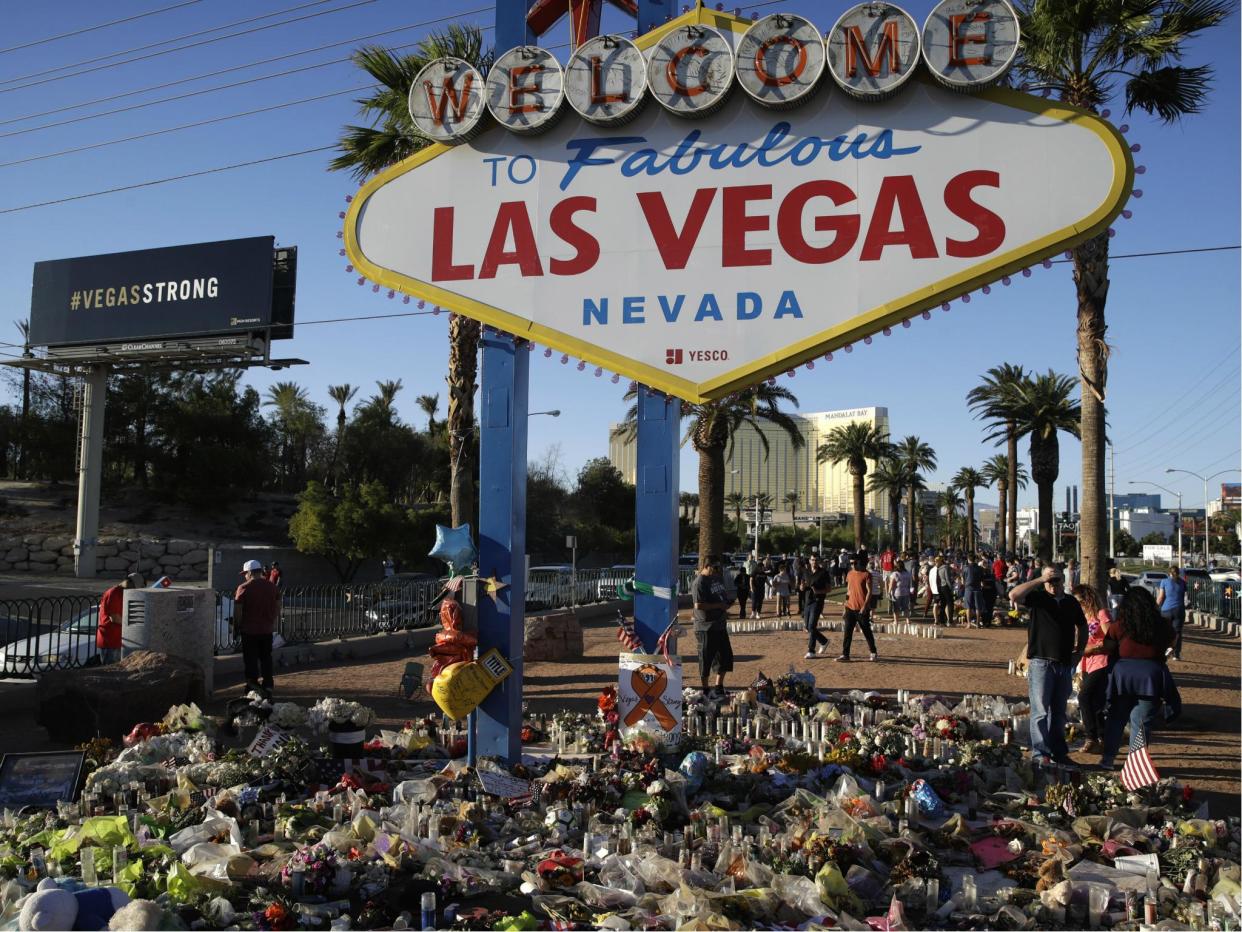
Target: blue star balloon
<point>454,547</point>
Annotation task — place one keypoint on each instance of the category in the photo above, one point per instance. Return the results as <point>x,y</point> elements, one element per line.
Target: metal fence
<point>1216,598</point>
<point>58,633</point>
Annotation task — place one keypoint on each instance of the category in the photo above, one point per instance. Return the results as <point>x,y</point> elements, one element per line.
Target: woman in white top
<point>779,583</point>
<point>899,586</point>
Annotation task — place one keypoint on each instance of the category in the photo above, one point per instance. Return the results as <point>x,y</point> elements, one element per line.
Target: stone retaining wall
<point>114,556</point>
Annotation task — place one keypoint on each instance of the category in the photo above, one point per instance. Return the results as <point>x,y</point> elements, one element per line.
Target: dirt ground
<point>1202,749</point>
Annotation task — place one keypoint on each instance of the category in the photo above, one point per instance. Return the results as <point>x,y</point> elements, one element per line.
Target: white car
<point>73,643</point>
<point>1149,580</point>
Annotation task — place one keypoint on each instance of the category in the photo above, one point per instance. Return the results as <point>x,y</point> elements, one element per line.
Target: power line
<point>174,129</point>
<point>1162,252</point>
<point>158,181</point>
<point>182,48</point>
<point>1165,446</point>
<point>1180,398</point>
<point>1230,377</point>
<point>222,87</point>
<point>85,29</point>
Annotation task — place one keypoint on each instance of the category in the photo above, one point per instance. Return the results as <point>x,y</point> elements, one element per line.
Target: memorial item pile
<point>784,806</point>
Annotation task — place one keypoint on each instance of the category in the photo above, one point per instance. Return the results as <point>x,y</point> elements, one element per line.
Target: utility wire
<point>85,29</point>
<point>174,129</point>
<point>182,48</point>
<point>1178,441</point>
<point>1147,441</point>
<point>222,87</point>
<point>158,181</point>
<point>1180,398</point>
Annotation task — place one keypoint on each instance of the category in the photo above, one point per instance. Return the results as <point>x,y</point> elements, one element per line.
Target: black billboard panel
<point>205,289</point>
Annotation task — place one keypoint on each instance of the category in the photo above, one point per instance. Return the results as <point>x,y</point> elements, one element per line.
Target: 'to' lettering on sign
<point>701,255</point>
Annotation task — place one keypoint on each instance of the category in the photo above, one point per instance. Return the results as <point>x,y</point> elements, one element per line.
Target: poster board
<point>649,696</point>
<point>40,780</point>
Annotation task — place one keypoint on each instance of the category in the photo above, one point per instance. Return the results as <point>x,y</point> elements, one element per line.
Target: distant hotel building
<point>821,487</point>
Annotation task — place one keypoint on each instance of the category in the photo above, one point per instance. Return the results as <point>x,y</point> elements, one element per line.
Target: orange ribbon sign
<point>648,683</point>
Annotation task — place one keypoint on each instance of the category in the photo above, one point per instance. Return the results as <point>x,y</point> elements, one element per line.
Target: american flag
<point>668,641</point>
<point>1138,770</point>
<point>626,634</point>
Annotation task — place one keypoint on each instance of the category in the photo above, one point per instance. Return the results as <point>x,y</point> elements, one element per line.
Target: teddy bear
<point>55,906</point>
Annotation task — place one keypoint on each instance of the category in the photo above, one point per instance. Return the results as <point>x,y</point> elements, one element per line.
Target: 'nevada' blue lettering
<point>708,307</point>
<point>598,311</point>
<point>755,303</point>
<point>671,311</point>
<point>688,155</point>
<point>786,306</point>
<point>632,309</point>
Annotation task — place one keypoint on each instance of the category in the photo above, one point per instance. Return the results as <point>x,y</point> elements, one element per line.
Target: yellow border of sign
<point>860,326</point>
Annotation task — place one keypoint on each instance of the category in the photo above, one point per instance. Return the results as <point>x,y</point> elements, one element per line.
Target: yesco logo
<point>675,357</point>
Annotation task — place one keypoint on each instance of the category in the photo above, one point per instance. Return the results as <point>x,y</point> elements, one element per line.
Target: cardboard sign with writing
<point>649,696</point>
<point>268,739</point>
<point>503,785</point>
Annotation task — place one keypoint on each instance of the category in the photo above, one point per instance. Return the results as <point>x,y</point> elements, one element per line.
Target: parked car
<point>71,644</point>
<point>610,579</point>
<point>394,614</point>
<point>552,586</point>
<point>1150,580</point>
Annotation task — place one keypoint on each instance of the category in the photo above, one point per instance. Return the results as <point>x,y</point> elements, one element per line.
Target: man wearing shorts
<point>711,629</point>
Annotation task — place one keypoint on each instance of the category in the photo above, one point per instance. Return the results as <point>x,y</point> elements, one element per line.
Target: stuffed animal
<point>137,916</point>
<point>56,907</point>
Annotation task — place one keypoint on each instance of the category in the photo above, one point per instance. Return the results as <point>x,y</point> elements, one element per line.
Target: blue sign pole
<point>657,486</point>
<point>511,28</point>
<point>497,730</point>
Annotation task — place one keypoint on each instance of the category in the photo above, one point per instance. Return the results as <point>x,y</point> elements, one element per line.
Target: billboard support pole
<point>90,470</point>
<point>656,530</point>
<point>496,727</point>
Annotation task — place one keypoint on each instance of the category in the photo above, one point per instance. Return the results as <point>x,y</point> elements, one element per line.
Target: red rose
<point>845,737</point>
<point>1187,792</point>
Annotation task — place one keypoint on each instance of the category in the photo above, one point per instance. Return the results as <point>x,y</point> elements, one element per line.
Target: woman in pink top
<point>1094,665</point>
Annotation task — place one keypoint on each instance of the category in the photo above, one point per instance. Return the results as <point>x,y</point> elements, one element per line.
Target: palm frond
<point>1169,93</point>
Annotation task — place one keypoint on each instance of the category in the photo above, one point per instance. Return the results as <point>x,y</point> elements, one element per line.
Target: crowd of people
<point>1118,643</point>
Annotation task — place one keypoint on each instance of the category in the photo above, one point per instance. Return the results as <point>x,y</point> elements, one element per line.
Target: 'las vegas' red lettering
<point>789,222</point>
<point>442,267</point>
<point>585,245</point>
<point>737,223</point>
<point>900,192</point>
<point>511,217</point>
<point>990,226</point>
<point>675,247</point>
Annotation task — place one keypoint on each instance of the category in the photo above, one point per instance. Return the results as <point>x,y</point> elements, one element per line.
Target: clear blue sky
<point>1174,376</point>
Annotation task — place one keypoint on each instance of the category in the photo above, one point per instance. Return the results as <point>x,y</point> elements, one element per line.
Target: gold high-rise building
<point>821,487</point>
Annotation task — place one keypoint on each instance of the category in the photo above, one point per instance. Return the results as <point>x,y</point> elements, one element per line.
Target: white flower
<point>338,712</point>
<point>943,724</point>
<point>288,715</point>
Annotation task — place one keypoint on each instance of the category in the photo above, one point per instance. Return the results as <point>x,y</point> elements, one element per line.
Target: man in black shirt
<point>711,629</point>
<point>972,592</point>
<point>816,584</point>
<point>1057,632</point>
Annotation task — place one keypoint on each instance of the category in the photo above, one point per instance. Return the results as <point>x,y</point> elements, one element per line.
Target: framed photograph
<point>41,779</point>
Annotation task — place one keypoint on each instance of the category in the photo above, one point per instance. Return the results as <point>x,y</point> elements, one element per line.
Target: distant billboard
<point>231,287</point>
<point>1230,494</point>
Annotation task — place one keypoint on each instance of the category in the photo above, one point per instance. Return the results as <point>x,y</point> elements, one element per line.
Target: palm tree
<point>713,426</point>
<point>915,457</point>
<point>993,401</point>
<point>967,480</point>
<point>737,501</point>
<point>1078,50</point>
<point>430,406</point>
<point>384,401</point>
<point>1044,406</point>
<point>292,404</point>
<point>390,138</point>
<point>854,444</point>
<point>342,395</point>
<point>791,500</point>
<point>995,472</point>
<point>948,502</point>
<point>890,478</point>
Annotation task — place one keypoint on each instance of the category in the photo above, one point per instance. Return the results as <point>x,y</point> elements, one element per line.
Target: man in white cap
<point>258,603</point>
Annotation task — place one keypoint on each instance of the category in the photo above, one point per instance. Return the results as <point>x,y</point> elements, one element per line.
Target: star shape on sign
<point>492,586</point>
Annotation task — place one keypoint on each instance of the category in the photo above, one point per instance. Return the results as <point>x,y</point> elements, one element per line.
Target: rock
<point>66,569</point>
<point>170,559</point>
<point>115,563</point>
<point>66,551</point>
<point>43,556</point>
<point>180,546</point>
<point>5,566</point>
<point>75,705</point>
<point>553,636</point>
<point>198,555</point>
<point>16,555</point>
<point>41,567</point>
<point>147,564</point>
<point>105,550</point>
<point>22,565</point>
<point>62,560</point>
<point>56,543</point>
<point>129,556</point>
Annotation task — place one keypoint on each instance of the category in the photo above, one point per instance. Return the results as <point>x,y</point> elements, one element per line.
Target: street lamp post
<point>1206,479</point>
<point>1179,512</point>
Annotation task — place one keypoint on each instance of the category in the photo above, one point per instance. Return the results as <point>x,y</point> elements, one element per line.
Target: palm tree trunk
<point>1045,467</point>
<point>1001,525</point>
<point>1011,448</point>
<point>894,509</point>
<point>859,511</point>
<point>911,519</point>
<point>1091,278</point>
<point>918,523</point>
<point>970,520</point>
<point>463,370</point>
<point>711,502</point>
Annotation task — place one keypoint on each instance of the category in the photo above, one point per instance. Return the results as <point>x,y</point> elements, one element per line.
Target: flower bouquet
<point>311,870</point>
<point>345,723</point>
<point>287,715</point>
<point>185,718</point>
<point>795,689</point>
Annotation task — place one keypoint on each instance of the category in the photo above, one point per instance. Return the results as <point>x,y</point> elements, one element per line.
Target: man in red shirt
<point>857,609</point>
<point>111,607</point>
<point>256,607</point>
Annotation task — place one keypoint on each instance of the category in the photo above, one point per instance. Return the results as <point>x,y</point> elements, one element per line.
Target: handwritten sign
<point>268,739</point>
<point>503,785</point>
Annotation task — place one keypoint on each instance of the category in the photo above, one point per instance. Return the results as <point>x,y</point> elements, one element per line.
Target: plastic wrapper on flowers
<point>815,810</point>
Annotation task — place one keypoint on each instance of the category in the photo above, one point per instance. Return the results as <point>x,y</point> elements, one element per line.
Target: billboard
<point>707,241</point>
<point>205,289</point>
